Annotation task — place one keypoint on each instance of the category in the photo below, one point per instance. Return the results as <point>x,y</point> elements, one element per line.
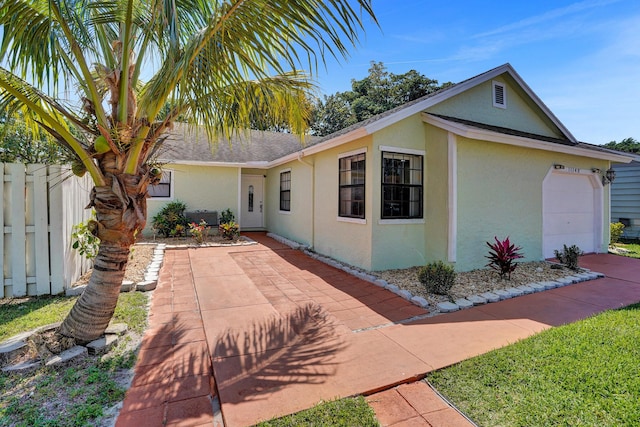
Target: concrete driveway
<point>283,331</point>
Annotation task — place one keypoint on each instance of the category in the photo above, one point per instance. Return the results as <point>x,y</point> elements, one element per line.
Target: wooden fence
<point>39,209</point>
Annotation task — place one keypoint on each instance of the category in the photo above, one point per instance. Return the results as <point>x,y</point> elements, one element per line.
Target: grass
<point>633,248</point>
<point>72,395</point>
<point>581,374</point>
<point>349,412</point>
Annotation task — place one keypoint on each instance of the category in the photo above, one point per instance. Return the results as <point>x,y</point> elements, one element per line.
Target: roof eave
<point>487,135</point>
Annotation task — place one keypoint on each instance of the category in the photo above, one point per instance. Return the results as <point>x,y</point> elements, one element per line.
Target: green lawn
<point>633,248</point>
<point>74,395</point>
<point>582,374</point>
<point>350,412</point>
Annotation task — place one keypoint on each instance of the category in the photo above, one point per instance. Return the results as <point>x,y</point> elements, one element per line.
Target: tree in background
<point>629,145</point>
<point>380,91</point>
<point>21,144</point>
<point>216,63</point>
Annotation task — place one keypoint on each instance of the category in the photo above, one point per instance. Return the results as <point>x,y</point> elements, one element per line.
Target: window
<point>351,186</point>
<point>401,185</point>
<point>499,95</point>
<point>285,191</point>
<point>164,189</point>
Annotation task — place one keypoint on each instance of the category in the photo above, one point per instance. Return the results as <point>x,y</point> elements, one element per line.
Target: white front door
<point>252,202</point>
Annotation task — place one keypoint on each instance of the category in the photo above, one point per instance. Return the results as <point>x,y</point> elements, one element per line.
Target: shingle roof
<point>188,144</point>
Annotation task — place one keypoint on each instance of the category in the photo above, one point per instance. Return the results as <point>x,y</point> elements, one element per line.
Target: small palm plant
<point>502,256</point>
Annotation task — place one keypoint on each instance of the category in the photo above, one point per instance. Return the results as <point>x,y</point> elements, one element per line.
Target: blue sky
<point>582,58</point>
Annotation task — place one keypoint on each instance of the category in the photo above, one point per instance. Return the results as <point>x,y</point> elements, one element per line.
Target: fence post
<point>18,234</point>
<point>40,222</point>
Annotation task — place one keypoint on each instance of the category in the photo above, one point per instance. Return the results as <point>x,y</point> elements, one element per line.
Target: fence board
<point>55,230</point>
<point>18,232</point>
<point>2,273</point>
<point>40,222</point>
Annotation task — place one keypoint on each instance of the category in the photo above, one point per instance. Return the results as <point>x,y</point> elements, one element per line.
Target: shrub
<point>615,230</point>
<point>84,241</point>
<point>502,256</point>
<point>199,231</point>
<point>226,216</point>
<point>437,277</point>
<point>229,230</point>
<point>569,256</point>
<point>171,221</point>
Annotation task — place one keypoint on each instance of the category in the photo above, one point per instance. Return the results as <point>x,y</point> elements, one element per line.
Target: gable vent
<point>499,95</point>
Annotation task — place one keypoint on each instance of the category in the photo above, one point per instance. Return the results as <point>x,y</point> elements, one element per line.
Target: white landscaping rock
<point>381,283</point>
<point>405,294</point>
<point>564,281</point>
<point>477,299</point>
<point>447,307</point>
<point>515,292</point>
<point>463,303</point>
<point>102,344</point>
<point>392,288</point>
<point>503,294</point>
<point>75,291</point>
<point>67,355</point>
<point>147,285</point>
<point>537,287</point>
<point>419,301</point>
<point>491,297</point>
<point>526,289</point>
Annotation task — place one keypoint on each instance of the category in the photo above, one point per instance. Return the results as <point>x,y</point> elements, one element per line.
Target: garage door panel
<point>569,213</point>
<point>571,203</point>
<point>570,224</point>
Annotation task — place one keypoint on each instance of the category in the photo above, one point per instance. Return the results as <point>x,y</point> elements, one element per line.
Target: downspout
<point>313,198</point>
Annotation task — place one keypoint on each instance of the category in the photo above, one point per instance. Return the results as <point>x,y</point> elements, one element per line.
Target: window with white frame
<point>285,191</point>
<point>351,186</point>
<point>164,189</point>
<point>402,186</point>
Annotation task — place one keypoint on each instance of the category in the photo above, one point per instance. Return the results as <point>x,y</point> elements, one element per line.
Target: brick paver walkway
<point>281,331</point>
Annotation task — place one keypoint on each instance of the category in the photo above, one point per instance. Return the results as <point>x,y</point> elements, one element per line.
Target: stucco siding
<point>295,224</point>
<point>345,241</point>
<point>476,105</point>
<point>201,188</point>
<point>500,194</point>
<point>397,245</point>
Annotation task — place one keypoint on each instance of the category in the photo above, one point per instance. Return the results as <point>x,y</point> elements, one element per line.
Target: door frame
<point>241,201</point>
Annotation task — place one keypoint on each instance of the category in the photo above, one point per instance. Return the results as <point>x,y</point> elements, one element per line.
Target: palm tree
<point>216,64</point>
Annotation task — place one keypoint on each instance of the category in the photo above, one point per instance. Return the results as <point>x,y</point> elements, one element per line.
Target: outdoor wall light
<point>557,166</point>
<point>608,177</point>
<point>595,170</point>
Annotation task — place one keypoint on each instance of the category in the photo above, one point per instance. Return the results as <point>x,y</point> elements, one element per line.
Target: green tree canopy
<point>22,144</point>
<point>629,145</point>
<point>380,91</point>
<point>218,64</point>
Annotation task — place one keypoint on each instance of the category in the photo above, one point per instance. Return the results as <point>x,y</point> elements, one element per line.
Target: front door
<point>252,202</point>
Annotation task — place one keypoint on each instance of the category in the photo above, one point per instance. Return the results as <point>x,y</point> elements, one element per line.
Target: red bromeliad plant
<point>502,256</point>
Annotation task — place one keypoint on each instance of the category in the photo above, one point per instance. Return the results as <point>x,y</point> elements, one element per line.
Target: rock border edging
<point>447,306</point>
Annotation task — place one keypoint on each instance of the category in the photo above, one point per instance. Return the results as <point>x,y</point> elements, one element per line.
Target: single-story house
<point>625,197</point>
<point>431,180</point>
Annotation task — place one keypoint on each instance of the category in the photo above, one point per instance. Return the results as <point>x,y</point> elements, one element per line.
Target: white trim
<point>171,188</point>
<point>401,221</point>
<point>494,85</point>
<point>519,141</point>
<point>401,150</point>
<point>284,212</point>
<point>285,170</point>
<point>362,150</point>
<point>351,220</point>
<point>452,203</point>
<point>239,196</point>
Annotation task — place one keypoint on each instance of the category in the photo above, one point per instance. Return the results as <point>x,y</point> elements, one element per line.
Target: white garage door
<point>572,209</point>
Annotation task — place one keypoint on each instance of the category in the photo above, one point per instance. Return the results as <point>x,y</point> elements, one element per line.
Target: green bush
<point>171,220</point>
<point>569,256</point>
<point>229,230</point>
<point>226,216</point>
<point>437,277</point>
<point>615,230</point>
<point>84,239</point>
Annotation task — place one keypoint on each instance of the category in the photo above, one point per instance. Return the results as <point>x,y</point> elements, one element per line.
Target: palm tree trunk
<point>120,214</point>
